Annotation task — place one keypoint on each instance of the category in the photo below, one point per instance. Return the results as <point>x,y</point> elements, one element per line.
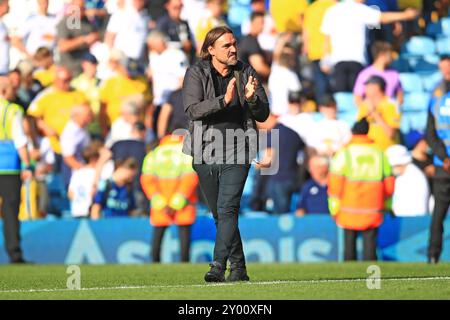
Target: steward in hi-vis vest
<point>360,189</point>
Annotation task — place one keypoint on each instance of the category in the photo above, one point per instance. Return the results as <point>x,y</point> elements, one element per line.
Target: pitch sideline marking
<point>221,284</point>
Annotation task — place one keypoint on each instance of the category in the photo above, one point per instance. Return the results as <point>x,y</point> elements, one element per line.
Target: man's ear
<point>211,50</point>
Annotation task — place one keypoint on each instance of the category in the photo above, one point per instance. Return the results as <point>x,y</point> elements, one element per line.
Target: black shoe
<point>20,261</point>
<point>237,273</point>
<point>433,260</point>
<point>216,273</point>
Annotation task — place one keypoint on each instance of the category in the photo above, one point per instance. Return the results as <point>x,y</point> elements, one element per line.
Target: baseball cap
<point>134,68</point>
<point>398,155</point>
<point>89,57</point>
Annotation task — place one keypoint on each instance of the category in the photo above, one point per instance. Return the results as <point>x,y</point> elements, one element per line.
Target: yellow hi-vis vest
<point>9,157</point>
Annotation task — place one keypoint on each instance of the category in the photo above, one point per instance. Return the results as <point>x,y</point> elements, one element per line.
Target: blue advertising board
<point>266,239</point>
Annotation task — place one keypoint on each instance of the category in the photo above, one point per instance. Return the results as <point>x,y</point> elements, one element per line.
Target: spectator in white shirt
<point>344,26</point>
<point>330,134</point>
<point>73,140</point>
<point>4,39</point>
<point>128,29</point>
<point>282,79</point>
<point>411,194</point>
<point>82,183</point>
<point>122,128</point>
<point>39,30</point>
<point>167,67</point>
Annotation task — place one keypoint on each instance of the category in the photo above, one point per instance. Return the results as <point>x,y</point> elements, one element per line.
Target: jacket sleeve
<point>433,140</point>
<point>194,102</point>
<point>260,107</point>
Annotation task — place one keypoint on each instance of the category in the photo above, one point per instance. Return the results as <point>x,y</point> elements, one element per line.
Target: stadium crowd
<point>100,86</point>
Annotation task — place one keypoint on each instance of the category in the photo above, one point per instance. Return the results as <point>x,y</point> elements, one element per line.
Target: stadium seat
<point>416,101</point>
<point>413,120</point>
<point>401,65</point>
<point>445,25</point>
<point>411,82</point>
<point>420,45</point>
<point>430,81</point>
<point>443,45</point>
<point>348,116</point>
<point>433,29</point>
<point>345,101</point>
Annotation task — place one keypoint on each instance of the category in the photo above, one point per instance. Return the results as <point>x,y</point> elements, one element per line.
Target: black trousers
<point>345,74</point>
<point>369,243</point>
<point>184,234</point>
<point>441,190</point>
<point>222,185</point>
<point>10,193</point>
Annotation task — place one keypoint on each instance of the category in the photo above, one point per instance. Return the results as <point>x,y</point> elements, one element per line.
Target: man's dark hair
<point>211,38</point>
<point>361,127</point>
<point>256,14</point>
<point>92,151</point>
<point>380,47</point>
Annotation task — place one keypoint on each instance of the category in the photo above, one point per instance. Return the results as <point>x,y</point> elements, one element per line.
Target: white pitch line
<point>221,284</point>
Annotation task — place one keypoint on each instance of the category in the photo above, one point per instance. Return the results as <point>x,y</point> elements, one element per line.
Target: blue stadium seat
<point>430,81</point>
<point>433,29</point>
<point>443,45</point>
<point>345,101</point>
<point>348,116</point>
<point>411,82</point>
<point>413,121</point>
<point>445,25</point>
<point>416,101</point>
<point>420,45</point>
<point>401,65</point>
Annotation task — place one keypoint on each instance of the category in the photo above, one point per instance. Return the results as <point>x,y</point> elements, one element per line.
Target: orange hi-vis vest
<point>170,182</point>
<point>360,185</point>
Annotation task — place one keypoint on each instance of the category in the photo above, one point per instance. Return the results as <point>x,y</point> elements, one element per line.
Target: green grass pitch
<point>268,281</point>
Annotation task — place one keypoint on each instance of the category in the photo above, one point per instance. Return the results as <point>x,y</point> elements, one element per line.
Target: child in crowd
<point>46,68</point>
<point>114,197</point>
<point>313,194</point>
<point>82,183</point>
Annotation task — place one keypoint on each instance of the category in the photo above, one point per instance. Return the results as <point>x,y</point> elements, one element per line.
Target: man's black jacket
<point>200,101</point>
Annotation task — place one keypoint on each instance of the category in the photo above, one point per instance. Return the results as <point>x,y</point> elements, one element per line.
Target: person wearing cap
<point>88,83</point>
<point>359,190</point>
<point>438,137</point>
<point>381,112</point>
<point>411,193</point>
<point>129,81</point>
<point>330,134</point>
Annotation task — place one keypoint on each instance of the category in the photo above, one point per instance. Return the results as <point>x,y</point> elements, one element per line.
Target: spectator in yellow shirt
<point>53,106</point>
<point>128,82</point>
<point>314,43</point>
<point>288,14</point>
<point>211,19</point>
<point>381,112</point>
<point>43,60</point>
